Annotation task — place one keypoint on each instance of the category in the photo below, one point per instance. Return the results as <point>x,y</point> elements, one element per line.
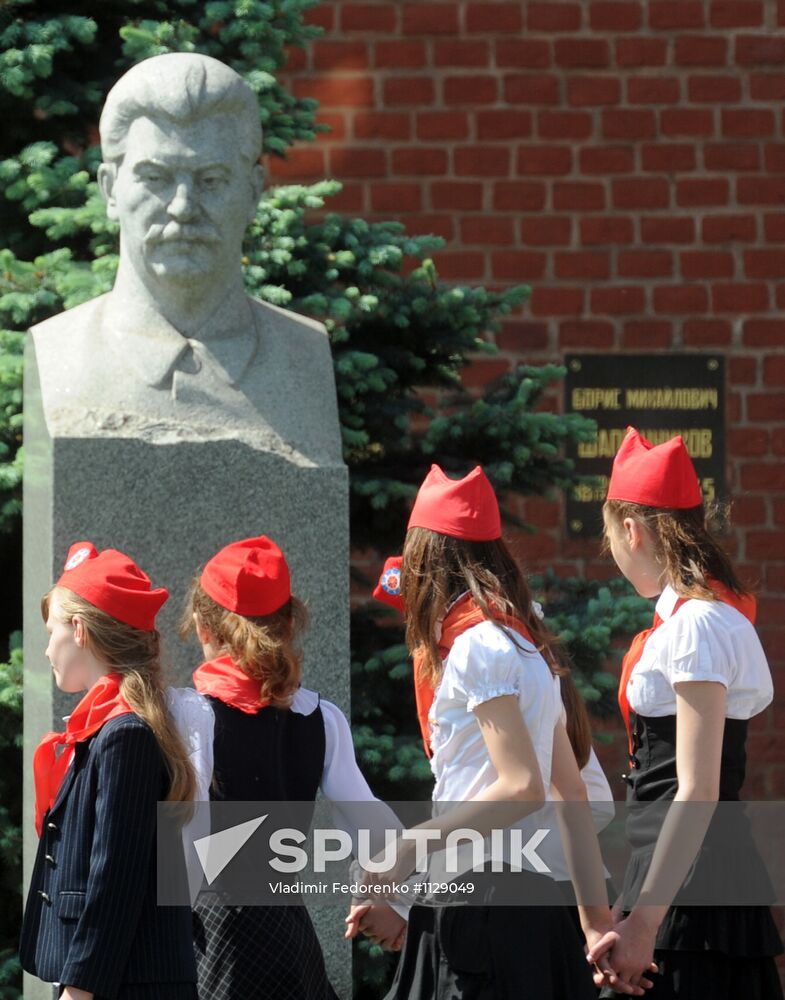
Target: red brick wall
<point>627,159</point>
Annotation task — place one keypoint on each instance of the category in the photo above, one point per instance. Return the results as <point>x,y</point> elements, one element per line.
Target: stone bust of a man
<point>177,349</point>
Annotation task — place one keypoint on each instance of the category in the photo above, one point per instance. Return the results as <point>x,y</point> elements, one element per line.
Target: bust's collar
<point>155,348</point>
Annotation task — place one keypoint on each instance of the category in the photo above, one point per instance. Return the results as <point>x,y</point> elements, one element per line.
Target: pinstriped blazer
<point>91,919</point>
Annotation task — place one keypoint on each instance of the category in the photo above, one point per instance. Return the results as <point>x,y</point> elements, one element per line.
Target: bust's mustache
<point>173,232</point>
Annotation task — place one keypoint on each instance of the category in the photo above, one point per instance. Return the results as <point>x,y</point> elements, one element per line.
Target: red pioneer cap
<point>388,589</point>
<point>462,508</point>
<point>113,583</point>
<point>249,577</point>
<point>656,476</point>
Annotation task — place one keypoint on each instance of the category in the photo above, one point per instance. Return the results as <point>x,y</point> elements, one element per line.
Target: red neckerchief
<point>223,679</point>
<point>745,603</point>
<point>101,703</point>
<point>463,615</point>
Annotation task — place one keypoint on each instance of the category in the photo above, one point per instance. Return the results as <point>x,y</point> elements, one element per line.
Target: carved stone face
<point>183,198</point>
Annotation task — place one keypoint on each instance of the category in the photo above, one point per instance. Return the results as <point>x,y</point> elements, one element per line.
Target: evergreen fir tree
<point>395,329</point>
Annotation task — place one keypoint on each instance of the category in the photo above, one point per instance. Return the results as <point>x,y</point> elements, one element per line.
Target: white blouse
<point>701,641</point>
<point>485,663</point>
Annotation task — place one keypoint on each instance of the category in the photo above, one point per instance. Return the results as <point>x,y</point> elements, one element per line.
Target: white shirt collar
<point>666,603</point>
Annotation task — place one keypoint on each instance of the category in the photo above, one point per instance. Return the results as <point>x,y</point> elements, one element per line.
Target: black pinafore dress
<point>703,952</point>
<point>262,952</point>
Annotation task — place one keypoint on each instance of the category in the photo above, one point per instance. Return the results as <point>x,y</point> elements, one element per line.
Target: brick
<point>778,448</point>
<point>539,230</point>
<point>491,231</point>
<point>666,15</point>
<point>368,17</point>
<point>419,161</point>
<point>564,125</point>
<point>518,265</point>
<point>577,195</point>
<point>481,161</point>
<point>764,263</point>
<point>766,545</point>
<point>645,264</point>
<point>340,55</point>
<point>774,227</point>
<point>728,228</point>
<point>544,160</point>
<point>747,123</point>
<point>668,156</point>
<point>497,17</point>
<point>396,197</point>
<point>624,123</point>
<point>443,125</point>
<point>458,52</point>
<point>731,156</point>
<point>470,89</point>
<point>320,16</point>
<point>457,195</point>
<point>351,198</point>
<point>692,122</point>
<point>460,265</point>
<point>417,90</point>
<point>381,125</point>
<point>740,297</point>
<point>708,191</point>
<point>336,122</point>
<point>764,333</point>
<point>518,196</point>
<point>606,230</point>
<point>638,193</point>
<point>767,86</point>
<point>296,60</point>
<point>354,162</point>
<point>743,371</point>
<point>582,265</point>
<point>433,225</point>
<point>581,52</point>
<point>518,53</point>
<point>532,89</point>
<point>482,372</point>
<point>607,160</point>
<point>593,91</point>
<point>398,55</point>
<point>653,90</point>
<point>518,337</point>
<point>337,91</point>
<point>774,374</point>
<point>430,19</point>
<point>714,89</point>
<point>615,16</point>
<point>561,301</point>
<point>701,50</point>
<point>586,333</point>
<point>698,264</point>
<point>667,229</point>
<point>503,124</point>
<point>647,335</point>
<point>760,190</point>
<point>762,476</point>
<point>300,163</point>
<point>618,301</point>
<point>760,50</point>
<point>736,14</point>
<point>553,16</point>
<point>678,299</point>
<point>707,333</point>
<point>635,52</point>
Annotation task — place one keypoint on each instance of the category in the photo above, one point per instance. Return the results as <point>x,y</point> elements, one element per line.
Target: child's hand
<point>379,923</point>
<point>72,993</point>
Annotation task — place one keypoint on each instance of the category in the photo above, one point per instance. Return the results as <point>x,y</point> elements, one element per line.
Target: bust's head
<point>181,138</point>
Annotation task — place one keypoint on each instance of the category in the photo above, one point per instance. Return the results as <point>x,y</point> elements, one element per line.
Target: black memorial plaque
<point>660,394</point>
